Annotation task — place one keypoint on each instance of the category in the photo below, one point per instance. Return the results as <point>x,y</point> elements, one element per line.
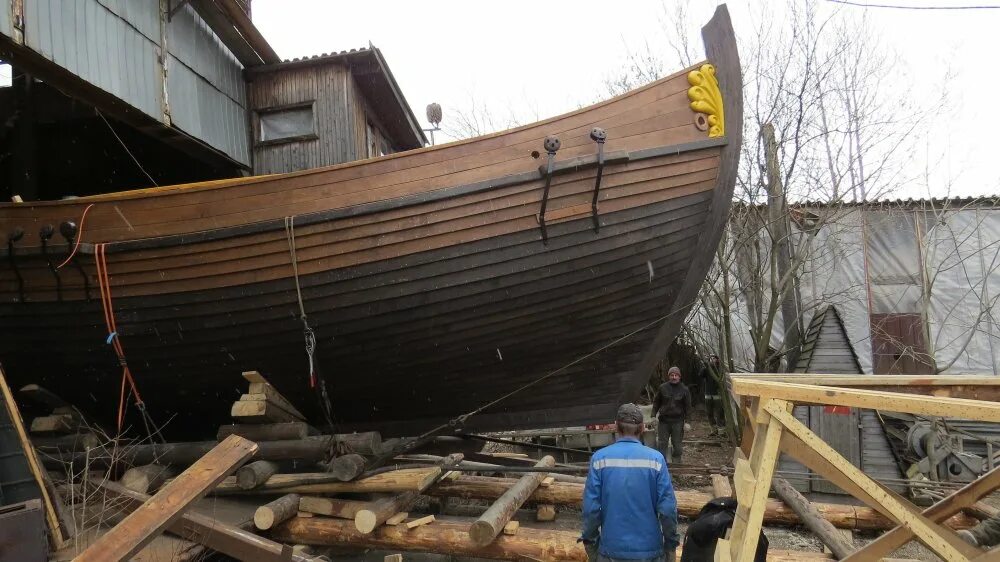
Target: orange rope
<point>79,235</point>
<point>104,283</point>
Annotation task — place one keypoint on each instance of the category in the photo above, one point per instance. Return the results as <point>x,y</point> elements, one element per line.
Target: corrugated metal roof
<point>933,202</point>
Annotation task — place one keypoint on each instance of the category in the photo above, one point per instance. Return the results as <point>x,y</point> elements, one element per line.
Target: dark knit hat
<point>629,413</point>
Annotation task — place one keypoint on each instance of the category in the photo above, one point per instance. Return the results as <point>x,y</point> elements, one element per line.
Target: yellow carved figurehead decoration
<point>706,98</point>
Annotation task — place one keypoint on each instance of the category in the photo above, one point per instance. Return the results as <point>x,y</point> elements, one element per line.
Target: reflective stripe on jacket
<point>628,490</point>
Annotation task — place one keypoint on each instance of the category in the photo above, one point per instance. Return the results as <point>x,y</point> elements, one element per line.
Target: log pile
<point>328,490</point>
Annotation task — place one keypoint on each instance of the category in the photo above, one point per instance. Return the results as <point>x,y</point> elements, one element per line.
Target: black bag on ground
<point>715,518</point>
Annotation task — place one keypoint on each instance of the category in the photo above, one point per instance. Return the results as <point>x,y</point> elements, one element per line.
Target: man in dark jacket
<point>629,507</point>
<point>713,399</point>
<point>671,405</point>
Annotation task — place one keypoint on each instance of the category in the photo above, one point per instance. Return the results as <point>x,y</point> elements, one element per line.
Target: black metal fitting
<point>46,234</point>
<point>13,237</point>
<point>598,135</point>
<point>551,145</point>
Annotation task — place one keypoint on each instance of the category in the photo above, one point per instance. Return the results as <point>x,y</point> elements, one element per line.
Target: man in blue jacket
<point>629,508</point>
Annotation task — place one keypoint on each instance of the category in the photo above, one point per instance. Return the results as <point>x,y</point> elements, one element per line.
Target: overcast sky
<point>535,59</point>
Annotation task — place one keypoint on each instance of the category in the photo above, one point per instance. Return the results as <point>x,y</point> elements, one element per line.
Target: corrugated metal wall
<point>116,46</point>
<point>332,89</point>
<point>205,87</point>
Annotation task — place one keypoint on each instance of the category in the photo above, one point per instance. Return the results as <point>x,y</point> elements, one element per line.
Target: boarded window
<point>898,345</point>
<point>287,124</point>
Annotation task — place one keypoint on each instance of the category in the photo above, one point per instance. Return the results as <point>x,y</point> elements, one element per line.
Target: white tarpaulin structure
<point>915,283</point>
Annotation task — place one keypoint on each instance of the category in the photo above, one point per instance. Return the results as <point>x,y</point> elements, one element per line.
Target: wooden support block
<point>721,487</point>
<point>510,529</point>
<point>547,481</point>
<point>370,518</point>
<point>305,514</point>
<point>397,519</point>
<point>331,507</point>
<point>149,520</point>
<point>510,455</point>
<point>55,423</point>
<point>259,411</point>
<point>278,511</point>
<point>259,385</point>
<point>545,512</point>
<point>418,522</point>
<point>393,558</point>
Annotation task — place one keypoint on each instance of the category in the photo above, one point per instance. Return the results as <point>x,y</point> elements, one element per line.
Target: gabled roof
<point>376,82</point>
<point>826,347</point>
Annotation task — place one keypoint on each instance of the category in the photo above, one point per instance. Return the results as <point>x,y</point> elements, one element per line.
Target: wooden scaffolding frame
<point>770,429</point>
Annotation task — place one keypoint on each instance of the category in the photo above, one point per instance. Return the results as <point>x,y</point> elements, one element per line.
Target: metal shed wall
<point>331,89</point>
<point>116,45</point>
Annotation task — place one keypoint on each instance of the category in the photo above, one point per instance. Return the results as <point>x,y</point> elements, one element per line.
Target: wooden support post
<point>144,524</point>
<point>721,487</point>
<point>830,535</point>
<point>254,474</point>
<point>221,537</point>
<point>832,466</point>
<point>491,523</point>
<point>145,479</point>
<point>753,482</point>
<point>969,494</point>
<point>278,511</point>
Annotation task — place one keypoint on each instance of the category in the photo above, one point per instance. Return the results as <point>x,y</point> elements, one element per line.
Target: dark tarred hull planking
<point>426,304</point>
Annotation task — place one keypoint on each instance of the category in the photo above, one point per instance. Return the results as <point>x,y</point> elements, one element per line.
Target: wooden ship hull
<point>427,277</point>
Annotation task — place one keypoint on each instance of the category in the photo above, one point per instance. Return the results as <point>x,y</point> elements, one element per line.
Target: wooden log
<point>721,488</point>
<point>254,474</point>
<point>545,512</point>
<point>281,509</point>
<point>68,443</point>
<point>404,480</point>
<point>267,431</point>
<point>221,537</point>
<point>43,396</point>
<point>491,523</point>
<point>981,511</point>
<point>452,537</point>
<point>393,558</point>
<point>310,449</point>
<point>831,537</point>
<point>425,520</point>
<point>56,423</point>
<point>347,467</point>
<point>145,479</point>
<point>332,507</point>
<point>364,443</point>
<point>149,520</point>
<point>490,467</point>
<point>382,510</point>
<point>689,503</point>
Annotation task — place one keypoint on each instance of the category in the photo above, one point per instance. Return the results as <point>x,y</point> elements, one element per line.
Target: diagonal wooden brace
<point>957,501</point>
<point>834,467</point>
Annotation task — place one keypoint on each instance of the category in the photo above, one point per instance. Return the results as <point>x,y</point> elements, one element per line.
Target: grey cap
<point>629,413</point>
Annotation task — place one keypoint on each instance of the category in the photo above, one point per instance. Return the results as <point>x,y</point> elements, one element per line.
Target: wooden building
<point>327,110</point>
<point>108,95</point>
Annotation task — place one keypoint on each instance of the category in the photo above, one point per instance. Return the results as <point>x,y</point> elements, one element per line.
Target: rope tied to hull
<point>316,382</point>
<point>104,283</point>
